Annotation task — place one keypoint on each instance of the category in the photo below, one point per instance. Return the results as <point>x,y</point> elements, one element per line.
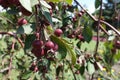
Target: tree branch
<point>15,36</point>
<point>98,27</point>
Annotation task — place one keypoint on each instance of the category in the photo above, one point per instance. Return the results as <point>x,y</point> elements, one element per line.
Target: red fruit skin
<point>24,11</point>
<point>22,21</point>
<point>55,47</point>
<point>82,11</point>
<point>117,44</point>
<point>4,3</point>
<point>71,36</point>
<point>49,45</point>
<point>51,12</point>
<point>37,44</point>
<point>36,69</point>
<point>38,52</point>
<point>58,32</point>
<point>80,14</point>
<point>74,19</point>
<point>81,38</point>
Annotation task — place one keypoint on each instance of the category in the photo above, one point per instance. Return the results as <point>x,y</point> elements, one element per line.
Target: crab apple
<point>81,38</point>
<point>71,36</point>
<point>58,32</point>
<point>37,44</point>
<point>4,3</point>
<point>82,11</point>
<point>77,72</point>
<point>51,11</point>
<point>34,64</point>
<point>113,50</point>
<point>38,52</point>
<point>49,45</point>
<point>22,21</point>
<point>55,47</point>
<point>117,44</point>
<point>36,69</point>
<point>80,14</point>
<point>74,19</point>
<point>24,11</point>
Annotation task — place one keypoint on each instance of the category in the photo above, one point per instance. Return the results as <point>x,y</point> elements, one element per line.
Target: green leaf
<point>82,70</point>
<point>48,16</point>
<point>13,74</point>
<point>72,54</point>
<point>27,29</point>
<point>87,33</point>
<point>61,46</point>
<point>12,11</point>
<point>27,75</point>
<point>28,41</point>
<point>3,45</point>
<point>90,67</point>
<point>45,4</point>
<point>69,1</point>
<point>71,51</point>
<point>26,4</point>
<point>20,53</point>
<point>97,3</point>
<point>34,2</point>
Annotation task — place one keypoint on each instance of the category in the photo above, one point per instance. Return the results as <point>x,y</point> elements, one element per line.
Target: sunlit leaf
<point>62,46</point>
<point>45,4</point>
<point>27,29</point>
<point>26,4</point>
<point>90,67</point>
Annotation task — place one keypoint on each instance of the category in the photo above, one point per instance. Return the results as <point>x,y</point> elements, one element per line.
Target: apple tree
<point>44,39</point>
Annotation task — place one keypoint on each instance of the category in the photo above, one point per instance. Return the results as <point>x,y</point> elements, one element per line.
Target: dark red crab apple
<point>49,45</point>
<point>117,44</point>
<point>58,32</point>
<point>22,21</point>
<point>81,38</point>
<point>37,44</point>
<point>38,52</point>
<point>55,47</point>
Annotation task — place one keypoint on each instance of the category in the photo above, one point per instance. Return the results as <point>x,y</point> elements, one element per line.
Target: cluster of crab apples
<point>14,3</point>
<point>41,48</point>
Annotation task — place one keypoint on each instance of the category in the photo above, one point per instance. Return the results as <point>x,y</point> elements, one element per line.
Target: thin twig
<point>63,71</point>
<point>11,55</point>
<point>15,36</point>
<point>103,30</point>
<point>72,71</point>
<point>6,69</point>
<point>97,43</point>
<point>112,27</point>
